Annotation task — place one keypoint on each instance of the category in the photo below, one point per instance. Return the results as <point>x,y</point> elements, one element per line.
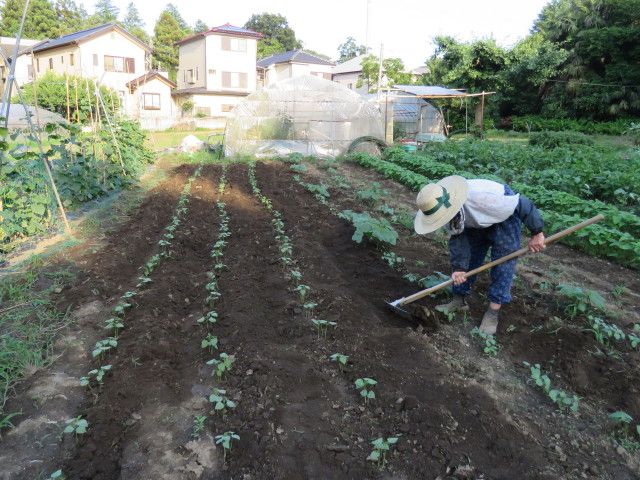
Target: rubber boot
<point>489,323</point>
<point>457,304</point>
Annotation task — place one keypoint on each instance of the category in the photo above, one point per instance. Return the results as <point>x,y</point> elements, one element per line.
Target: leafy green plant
<point>77,426</point>
<point>580,300</point>
<point>210,318</point>
<point>210,341</point>
<point>393,260</point>
<point>121,308</point>
<point>198,426</point>
<point>490,346</point>
<point>103,346</point>
<point>98,373</point>
<point>226,440</point>
<point>375,229</point>
<point>561,398</point>
<point>114,324</point>
<point>381,447</point>
<point>604,332</point>
<point>365,387</point>
<point>220,401</point>
<point>299,168</point>
<point>222,364</point>
<point>372,193</point>
<point>295,275</point>
<point>623,431</point>
<point>322,326</point>
<point>57,475</point>
<point>302,291</point>
<point>340,359</point>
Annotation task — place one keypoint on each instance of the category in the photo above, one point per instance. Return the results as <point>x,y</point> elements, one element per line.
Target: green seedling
<point>164,243</point>
<point>561,398</point>
<point>121,308</point>
<point>210,317</point>
<point>225,440</point>
<point>490,344</point>
<point>309,306</point>
<point>220,401</point>
<point>365,386</point>
<point>219,266</point>
<point>128,295</point>
<point>198,425</point>
<point>604,332</point>
<point>322,326</point>
<point>295,275</point>
<point>213,297</point>
<point>211,341</point>
<point>393,260</point>
<point>623,431</point>
<point>381,447</point>
<point>151,264</point>
<point>5,422</point>
<point>449,315</point>
<point>223,364</point>
<point>302,291</point>
<point>580,300</point>
<point>99,373</point>
<point>143,281</point>
<point>114,324</point>
<point>340,359</point>
<point>411,277</point>
<point>57,475</point>
<point>77,426</point>
<point>104,346</point>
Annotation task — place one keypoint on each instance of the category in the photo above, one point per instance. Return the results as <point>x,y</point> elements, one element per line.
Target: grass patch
<point>173,138</point>
<point>29,324</point>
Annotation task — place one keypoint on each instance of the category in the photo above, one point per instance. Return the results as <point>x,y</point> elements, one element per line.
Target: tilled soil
<point>298,415</point>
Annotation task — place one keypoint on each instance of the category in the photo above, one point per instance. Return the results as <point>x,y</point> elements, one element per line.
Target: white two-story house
<point>114,58</point>
<point>217,68</point>
<point>294,63</point>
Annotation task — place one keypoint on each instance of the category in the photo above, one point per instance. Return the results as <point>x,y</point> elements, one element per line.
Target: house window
<point>231,44</point>
<point>29,71</point>
<point>119,64</point>
<point>62,59</point>
<point>226,107</point>
<point>203,111</point>
<point>189,76</point>
<point>151,101</point>
<point>51,63</point>
<point>38,65</point>
<point>234,80</point>
<point>71,59</point>
<point>95,59</point>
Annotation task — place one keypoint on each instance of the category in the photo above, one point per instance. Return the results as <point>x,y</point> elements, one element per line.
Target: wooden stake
<point>66,81</point>
<point>75,86</point>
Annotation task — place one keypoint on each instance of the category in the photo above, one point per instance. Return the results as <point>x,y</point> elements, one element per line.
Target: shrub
<point>535,123</point>
<point>551,140</point>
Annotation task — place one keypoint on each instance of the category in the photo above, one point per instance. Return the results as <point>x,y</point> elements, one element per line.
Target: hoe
<point>396,306</point>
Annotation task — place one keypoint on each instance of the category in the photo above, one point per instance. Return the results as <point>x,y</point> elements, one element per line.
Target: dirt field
<point>458,413</point>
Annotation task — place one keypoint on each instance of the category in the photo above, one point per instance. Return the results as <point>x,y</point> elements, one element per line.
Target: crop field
<point>233,326</point>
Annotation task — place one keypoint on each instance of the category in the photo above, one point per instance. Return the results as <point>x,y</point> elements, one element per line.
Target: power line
<point>595,84</point>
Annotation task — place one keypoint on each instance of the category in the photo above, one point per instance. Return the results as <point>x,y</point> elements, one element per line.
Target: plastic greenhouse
<point>307,115</point>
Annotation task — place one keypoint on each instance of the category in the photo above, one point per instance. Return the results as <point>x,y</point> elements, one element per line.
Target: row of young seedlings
<point>364,385</point>
<point>222,364</point>
<point>116,323</point>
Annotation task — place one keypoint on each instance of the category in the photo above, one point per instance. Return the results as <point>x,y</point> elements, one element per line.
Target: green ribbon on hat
<point>443,200</point>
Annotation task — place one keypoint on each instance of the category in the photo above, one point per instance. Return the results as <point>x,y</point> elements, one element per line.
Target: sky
<point>405,27</point>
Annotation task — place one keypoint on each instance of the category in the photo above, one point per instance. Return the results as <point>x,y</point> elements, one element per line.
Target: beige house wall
<point>219,61</point>
<point>153,119</point>
<point>192,57</point>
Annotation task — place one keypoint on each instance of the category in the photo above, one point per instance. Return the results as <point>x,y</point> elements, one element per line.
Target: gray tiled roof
<point>75,37</point>
<point>295,56</point>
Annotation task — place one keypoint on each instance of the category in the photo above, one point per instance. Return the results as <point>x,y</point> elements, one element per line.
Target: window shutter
<point>95,59</point>
<point>226,79</point>
<point>130,65</point>
<point>243,80</point>
<point>226,43</point>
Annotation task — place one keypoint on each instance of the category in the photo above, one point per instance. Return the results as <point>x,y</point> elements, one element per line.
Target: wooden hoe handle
<point>506,258</point>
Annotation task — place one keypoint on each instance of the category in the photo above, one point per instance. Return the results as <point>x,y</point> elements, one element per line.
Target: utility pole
<point>380,71</point>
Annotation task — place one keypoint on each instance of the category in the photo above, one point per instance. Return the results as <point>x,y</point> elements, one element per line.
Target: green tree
<point>71,16</point>
<point>184,26</point>
<point>41,21</point>
<point>350,49</point>
<point>200,26</point>
<point>134,23</point>
<point>105,12</point>
<point>392,72</point>
<point>278,35</point>
<point>601,75</point>
<point>166,33</point>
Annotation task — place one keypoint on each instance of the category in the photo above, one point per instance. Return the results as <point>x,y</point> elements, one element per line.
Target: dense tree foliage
<point>167,32</point>
<point>278,35</point>
<point>393,72</point>
<point>41,21</point>
<point>134,24</point>
<point>581,60</point>
<point>200,26</point>
<point>350,49</point>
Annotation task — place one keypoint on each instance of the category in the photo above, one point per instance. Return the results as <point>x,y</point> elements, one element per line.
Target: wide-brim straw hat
<point>439,202</point>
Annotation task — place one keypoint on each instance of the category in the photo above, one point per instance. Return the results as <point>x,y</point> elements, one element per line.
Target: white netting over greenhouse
<point>308,115</point>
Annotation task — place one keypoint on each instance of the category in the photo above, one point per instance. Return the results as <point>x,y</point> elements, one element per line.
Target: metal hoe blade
<point>396,308</point>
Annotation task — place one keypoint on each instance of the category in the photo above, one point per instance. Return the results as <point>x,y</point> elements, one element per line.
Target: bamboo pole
<point>111,129</point>
<point>66,81</point>
<point>75,86</point>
